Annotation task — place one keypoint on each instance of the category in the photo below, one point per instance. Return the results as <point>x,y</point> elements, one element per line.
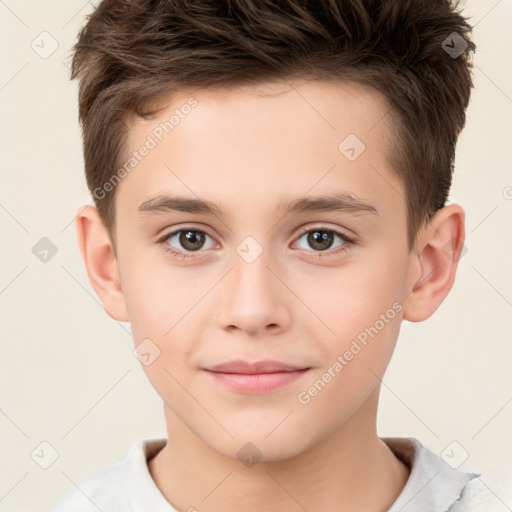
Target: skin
<point>245,149</point>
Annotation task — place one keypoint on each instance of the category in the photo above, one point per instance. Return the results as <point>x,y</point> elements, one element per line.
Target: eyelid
<point>302,230</point>
<point>176,229</point>
<point>348,240</point>
<point>177,253</point>
<point>325,227</point>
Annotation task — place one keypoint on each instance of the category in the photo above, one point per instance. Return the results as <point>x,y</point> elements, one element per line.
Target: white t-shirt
<point>432,486</point>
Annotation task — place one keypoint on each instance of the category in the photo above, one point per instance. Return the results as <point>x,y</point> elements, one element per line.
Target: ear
<point>100,262</point>
<point>435,258</point>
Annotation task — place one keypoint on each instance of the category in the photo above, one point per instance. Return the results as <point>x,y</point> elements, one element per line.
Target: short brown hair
<point>130,53</point>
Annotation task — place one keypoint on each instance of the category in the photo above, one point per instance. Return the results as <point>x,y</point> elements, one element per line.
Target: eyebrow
<point>339,202</point>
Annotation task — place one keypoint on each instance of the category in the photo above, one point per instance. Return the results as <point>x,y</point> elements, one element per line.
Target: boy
<point>270,182</point>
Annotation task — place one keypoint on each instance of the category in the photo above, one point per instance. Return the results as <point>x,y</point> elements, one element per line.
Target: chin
<point>251,446</point>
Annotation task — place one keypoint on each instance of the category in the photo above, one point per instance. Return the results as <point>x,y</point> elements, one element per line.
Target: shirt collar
<point>432,485</point>
<point>141,489</point>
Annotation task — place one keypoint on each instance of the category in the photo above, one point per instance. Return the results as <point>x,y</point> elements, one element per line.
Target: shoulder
<point>435,485</point>
<point>114,488</point>
<point>102,490</point>
<point>491,492</point>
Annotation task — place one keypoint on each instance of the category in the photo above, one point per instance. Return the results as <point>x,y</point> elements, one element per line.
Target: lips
<point>255,378</point>
<point>246,368</point>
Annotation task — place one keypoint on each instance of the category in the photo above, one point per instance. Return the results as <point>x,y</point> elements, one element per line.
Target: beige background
<point>68,374</point>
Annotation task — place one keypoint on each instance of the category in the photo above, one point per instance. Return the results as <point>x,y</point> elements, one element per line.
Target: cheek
<point>355,358</point>
<point>162,307</point>
<point>164,332</point>
<point>362,308</point>
<point>349,300</point>
<point>159,297</point>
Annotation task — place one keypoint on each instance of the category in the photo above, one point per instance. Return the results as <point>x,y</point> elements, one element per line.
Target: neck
<point>349,469</point>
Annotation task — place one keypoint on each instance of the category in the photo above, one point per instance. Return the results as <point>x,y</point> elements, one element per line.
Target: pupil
<point>191,240</point>
<point>320,237</point>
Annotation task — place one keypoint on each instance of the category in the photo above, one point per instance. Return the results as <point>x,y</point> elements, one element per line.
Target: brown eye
<point>323,242</point>
<point>320,239</point>
<point>191,240</point>
<point>183,240</point>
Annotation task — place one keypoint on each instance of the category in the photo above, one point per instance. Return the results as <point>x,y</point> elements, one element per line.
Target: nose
<point>254,298</point>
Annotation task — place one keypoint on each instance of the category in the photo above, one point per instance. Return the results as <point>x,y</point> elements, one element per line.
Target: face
<point>257,227</point>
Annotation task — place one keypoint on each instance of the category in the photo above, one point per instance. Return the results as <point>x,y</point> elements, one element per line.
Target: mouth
<point>255,378</point>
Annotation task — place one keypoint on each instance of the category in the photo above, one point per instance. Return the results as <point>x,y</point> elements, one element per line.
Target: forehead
<point>327,110</point>
<point>228,144</point>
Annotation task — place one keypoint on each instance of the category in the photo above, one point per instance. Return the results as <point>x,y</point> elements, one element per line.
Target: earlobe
<point>100,262</point>
<point>437,253</point>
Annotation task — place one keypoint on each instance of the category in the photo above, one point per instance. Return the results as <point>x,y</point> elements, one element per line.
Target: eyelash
<point>348,242</point>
